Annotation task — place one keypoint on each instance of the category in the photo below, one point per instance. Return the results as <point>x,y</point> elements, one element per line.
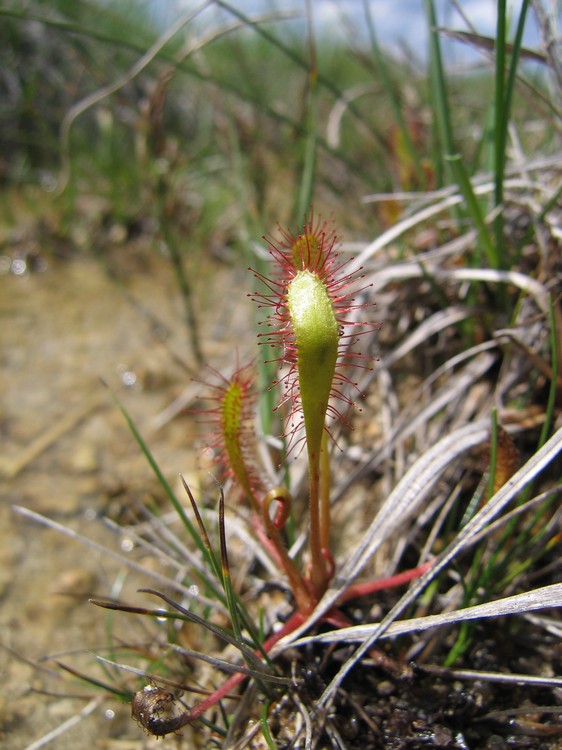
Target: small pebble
<point>385,688</point>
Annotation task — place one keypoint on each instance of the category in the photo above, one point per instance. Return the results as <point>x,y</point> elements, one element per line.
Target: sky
<point>399,23</point>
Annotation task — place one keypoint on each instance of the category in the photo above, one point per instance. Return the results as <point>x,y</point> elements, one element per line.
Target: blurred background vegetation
<point>232,123</point>
<point>196,133</point>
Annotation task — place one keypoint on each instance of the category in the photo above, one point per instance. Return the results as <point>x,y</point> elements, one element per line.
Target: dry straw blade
<point>403,503</point>
<point>159,578</point>
<point>463,541</point>
<point>543,598</point>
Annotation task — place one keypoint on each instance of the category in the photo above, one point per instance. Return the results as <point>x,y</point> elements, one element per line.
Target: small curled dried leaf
<point>158,711</point>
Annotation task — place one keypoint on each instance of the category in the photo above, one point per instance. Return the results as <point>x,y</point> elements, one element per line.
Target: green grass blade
<point>474,210</point>
<point>438,90</point>
<point>391,91</point>
<point>272,745</point>
<point>554,385</point>
<point>125,695</point>
<point>192,531</point>
<point>501,116</point>
<point>493,454</point>
<point>252,659</point>
<point>296,58</point>
<point>213,561</point>
<point>306,193</point>
<point>231,598</point>
<point>504,89</point>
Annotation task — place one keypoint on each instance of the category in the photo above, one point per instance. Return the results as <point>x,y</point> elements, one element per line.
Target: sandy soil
<point>67,453</point>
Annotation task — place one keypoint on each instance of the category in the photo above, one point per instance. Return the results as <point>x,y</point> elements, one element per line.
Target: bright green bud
<point>316,341</point>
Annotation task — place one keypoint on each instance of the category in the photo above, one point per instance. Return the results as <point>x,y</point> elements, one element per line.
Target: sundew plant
<point>314,329</point>
<point>315,321</point>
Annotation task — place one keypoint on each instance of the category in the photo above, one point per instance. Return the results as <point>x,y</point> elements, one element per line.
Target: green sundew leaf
<point>232,427</point>
<point>316,334</point>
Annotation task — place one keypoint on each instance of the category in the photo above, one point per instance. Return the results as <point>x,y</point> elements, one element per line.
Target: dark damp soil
<point>389,704</point>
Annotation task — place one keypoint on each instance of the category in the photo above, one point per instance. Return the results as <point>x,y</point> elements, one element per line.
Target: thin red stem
<point>370,587</point>
<point>160,727</point>
<point>304,597</point>
<point>196,711</point>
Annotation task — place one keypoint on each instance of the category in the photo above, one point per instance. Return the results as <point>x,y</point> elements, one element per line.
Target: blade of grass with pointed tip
<point>272,745</point>
<point>306,192</point>
<point>211,557</point>
<point>156,678</point>
<point>503,100</point>
<point>555,320</point>
<point>296,58</point>
<point>235,607</point>
<point>180,614</point>
<point>231,598</point>
<point>464,539</point>
<point>501,116</point>
<point>518,547</point>
<point>529,601</point>
<point>121,559</point>
<point>226,666</point>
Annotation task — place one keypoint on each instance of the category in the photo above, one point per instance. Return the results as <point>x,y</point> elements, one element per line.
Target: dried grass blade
<point>402,503</point>
<point>121,559</point>
<point>530,601</point>
<point>464,539</point>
